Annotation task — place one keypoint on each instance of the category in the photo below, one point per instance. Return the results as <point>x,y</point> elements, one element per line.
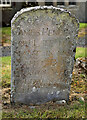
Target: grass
<point>68,111</point>
<point>6,30</point>
<point>82,30</point>
<point>6,71</point>
<point>6,35</point>
<point>83,25</point>
<point>81,52</point>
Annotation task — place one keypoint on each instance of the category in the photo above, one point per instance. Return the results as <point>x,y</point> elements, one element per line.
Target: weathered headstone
<point>43,50</point>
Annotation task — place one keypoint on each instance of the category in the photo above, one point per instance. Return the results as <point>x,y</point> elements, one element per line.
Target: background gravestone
<point>43,50</point>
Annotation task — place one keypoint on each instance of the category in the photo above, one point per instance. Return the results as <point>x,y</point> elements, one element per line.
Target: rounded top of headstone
<point>43,8</point>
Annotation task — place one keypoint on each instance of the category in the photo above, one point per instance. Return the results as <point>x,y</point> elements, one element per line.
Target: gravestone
<point>43,50</point>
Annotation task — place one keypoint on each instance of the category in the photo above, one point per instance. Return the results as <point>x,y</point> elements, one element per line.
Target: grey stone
<point>43,51</point>
<point>5,51</point>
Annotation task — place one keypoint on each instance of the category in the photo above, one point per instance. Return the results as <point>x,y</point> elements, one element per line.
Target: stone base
<point>41,95</point>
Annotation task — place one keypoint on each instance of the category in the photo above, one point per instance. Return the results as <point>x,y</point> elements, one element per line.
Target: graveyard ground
<point>75,108</point>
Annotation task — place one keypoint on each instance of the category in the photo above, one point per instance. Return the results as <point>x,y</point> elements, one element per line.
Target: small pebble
<point>82,99</point>
<point>32,107</point>
<point>5,103</point>
<point>61,102</point>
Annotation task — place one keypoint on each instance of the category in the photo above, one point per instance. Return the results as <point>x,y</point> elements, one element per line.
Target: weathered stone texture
<point>43,50</point>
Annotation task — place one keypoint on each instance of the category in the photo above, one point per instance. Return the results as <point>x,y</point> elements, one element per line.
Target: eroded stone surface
<point>43,50</point>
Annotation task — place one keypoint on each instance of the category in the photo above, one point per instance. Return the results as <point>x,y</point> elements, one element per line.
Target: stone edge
<point>42,7</point>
